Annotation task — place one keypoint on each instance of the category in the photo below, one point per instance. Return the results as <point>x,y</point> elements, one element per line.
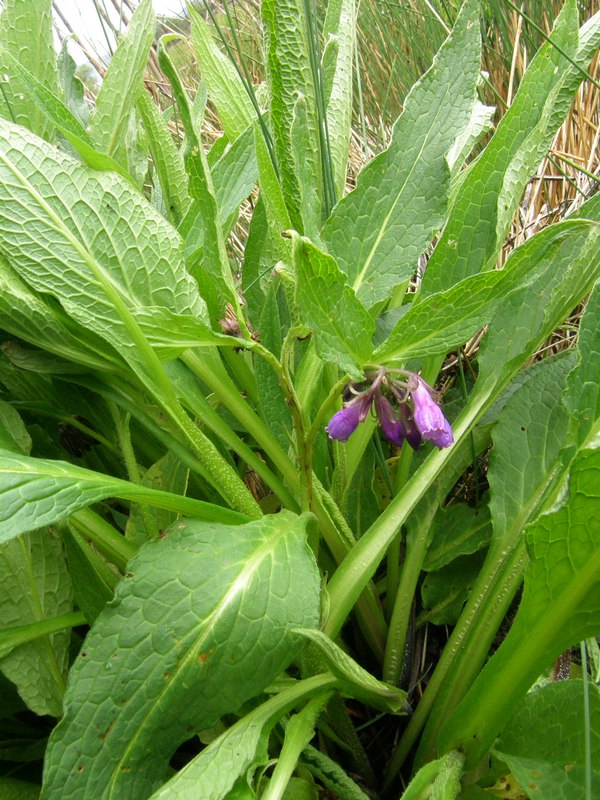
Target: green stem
<point>360,564</point>
<point>107,539</point>
<point>416,550</point>
<point>463,655</point>
<point>22,634</point>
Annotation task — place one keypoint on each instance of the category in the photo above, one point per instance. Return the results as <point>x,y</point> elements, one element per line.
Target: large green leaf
<point>202,623</point>
<point>441,321</point>
<point>560,606</point>
<point>343,327</point>
<point>89,239</point>
<point>109,122</point>
<point>490,193</point>
<point>26,33</point>
<point>379,230</point>
<point>38,492</point>
<point>36,585</point>
<point>64,120</point>
<point>544,742</point>
<point>290,75</point>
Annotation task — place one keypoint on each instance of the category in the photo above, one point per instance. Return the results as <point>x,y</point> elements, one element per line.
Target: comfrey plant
<point>218,579</point>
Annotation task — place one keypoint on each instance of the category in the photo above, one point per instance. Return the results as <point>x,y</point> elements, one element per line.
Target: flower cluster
<point>413,414</point>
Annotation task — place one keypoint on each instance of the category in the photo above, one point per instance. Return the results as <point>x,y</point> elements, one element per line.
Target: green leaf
<point>353,679</point>
<point>457,530</point>
<point>13,433</point>
<point>225,86</point>
<point>441,321</point>
<point>35,585</point>
<point>544,742</point>
<point>309,202</point>
<point>379,230</point>
<point>565,271</point>
<point>239,748</point>
<point>72,88</point>
<point>26,33</point>
<point>445,591</point>
<point>339,31</point>
<point>343,327</point>
<point>331,775</point>
<point>31,317</point>
<point>38,492</point>
<point>213,274</point>
<point>93,579</point>
<point>64,121</point>
<point>438,780</point>
<point>234,176</point>
<point>203,622</point>
<point>560,606</point>
<point>582,396</point>
<point>13,789</point>
<point>528,438</point>
<point>166,159</point>
<point>290,75</point>
<point>490,193</point>
<point>73,233</point>
<point>18,635</point>
<point>108,124</point>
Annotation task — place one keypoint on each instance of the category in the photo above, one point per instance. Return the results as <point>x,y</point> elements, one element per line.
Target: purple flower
<point>428,417</point>
<point>343,424</point>
<point>390,424</point>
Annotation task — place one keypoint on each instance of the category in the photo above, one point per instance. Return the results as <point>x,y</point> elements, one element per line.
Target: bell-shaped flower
<point>390,424</point>
<point>428,417</point>
<point>343,424</point>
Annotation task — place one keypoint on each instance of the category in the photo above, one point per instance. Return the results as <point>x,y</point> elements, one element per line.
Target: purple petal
<point>390,424</point>
<point>343,423</point>
<point>429,419</point>
<point>411,432</point>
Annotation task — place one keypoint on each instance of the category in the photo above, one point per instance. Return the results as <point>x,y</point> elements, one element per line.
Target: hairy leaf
<point>108,124</point>
<point>225,86</point>
<point>203,622</point>
<point>290,75</point>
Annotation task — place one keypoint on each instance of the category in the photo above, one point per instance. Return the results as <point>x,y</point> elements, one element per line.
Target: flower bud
<point>428,417</point>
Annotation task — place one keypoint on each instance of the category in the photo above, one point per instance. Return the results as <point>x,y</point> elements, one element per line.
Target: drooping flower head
<point>411,433</point>
<point>428,417</point>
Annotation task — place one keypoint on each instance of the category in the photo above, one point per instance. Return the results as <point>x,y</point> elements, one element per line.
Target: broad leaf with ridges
<point>202,623</point>
<point>37,492</point>
<point>491,191</point>
<point>379,230</point>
